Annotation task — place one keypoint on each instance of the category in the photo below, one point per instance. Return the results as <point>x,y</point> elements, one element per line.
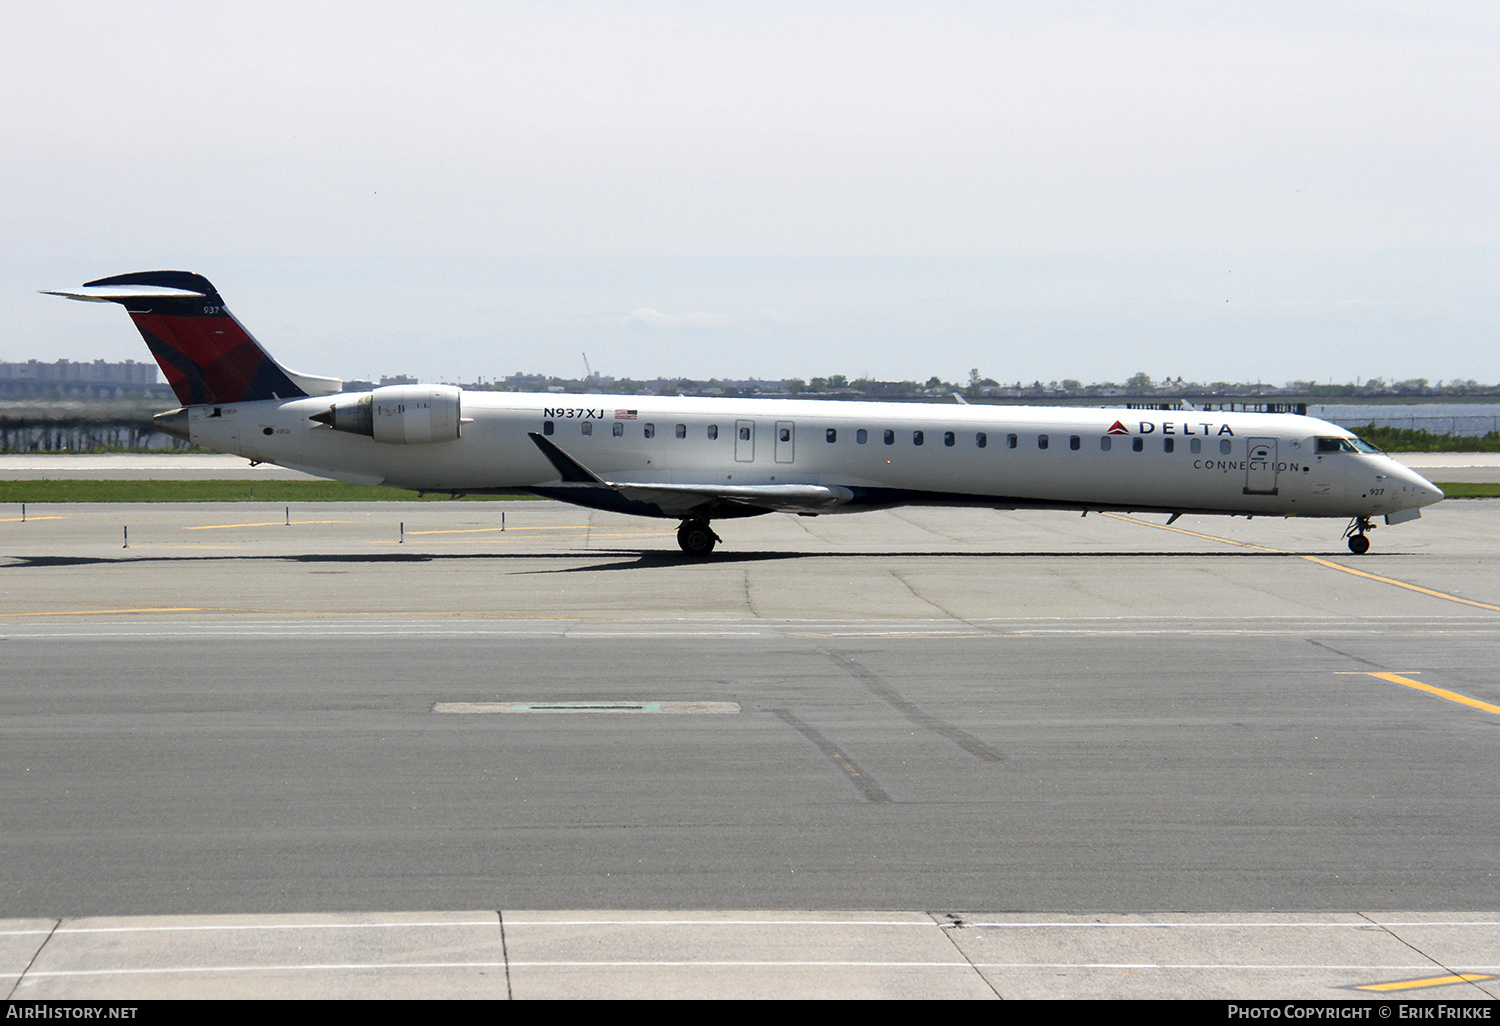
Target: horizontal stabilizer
<point>119,294</point>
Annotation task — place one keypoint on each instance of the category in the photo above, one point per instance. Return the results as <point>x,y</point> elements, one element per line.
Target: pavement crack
<point>865,784</point>
<point>745,590</point>
<point>906,519</point>
<point>504,954</point>
<point>923,598</point>
<point>913,712</point>
<point>1346,655</point>
<point>949,925</point>
<point>21,976</point>
<point>1435,961</point>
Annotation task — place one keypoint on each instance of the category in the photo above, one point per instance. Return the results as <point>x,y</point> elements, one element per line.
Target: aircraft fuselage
<point>883,453</point>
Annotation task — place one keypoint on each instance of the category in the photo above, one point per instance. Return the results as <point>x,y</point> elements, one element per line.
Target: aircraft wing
<point>686,499</point>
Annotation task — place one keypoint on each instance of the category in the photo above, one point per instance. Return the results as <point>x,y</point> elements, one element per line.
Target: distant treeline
<point>1395,439</point>
<point>1140,386</point>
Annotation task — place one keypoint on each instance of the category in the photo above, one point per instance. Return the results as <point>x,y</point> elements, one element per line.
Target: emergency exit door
<point>744,441</point>
<point>786,438</point>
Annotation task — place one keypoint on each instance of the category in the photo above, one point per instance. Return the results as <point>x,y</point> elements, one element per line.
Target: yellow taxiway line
<point>1314,559</point>
<point>268,523</point>
<point>1452,696</point>
<point>98,612</point>
<point>1402,584</point>
<point>1430,981</point>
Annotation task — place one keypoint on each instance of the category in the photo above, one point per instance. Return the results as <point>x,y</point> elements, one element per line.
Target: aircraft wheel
<point>1359,544</point>
<point>696,538</point>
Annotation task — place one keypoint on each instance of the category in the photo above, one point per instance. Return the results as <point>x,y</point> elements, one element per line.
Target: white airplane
<point>697,460</point>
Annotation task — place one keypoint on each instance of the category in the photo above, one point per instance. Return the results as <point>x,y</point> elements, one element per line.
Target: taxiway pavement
<point>404,707</point>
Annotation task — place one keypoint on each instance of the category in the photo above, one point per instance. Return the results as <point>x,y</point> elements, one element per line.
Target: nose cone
<point>174,423</point>
<point>1417,490</point>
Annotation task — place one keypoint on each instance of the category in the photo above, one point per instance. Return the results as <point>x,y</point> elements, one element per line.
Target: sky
<point>1040,190</point>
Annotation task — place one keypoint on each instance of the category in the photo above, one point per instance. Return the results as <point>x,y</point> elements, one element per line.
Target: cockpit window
<point>1326,445</point>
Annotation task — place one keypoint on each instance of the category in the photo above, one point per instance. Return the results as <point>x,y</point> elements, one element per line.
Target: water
<point>1437,418</point>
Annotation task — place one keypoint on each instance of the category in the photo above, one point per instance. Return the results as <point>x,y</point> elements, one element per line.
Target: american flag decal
<point>624,415</point>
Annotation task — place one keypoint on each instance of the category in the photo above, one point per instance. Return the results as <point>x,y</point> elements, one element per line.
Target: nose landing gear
<point>696,538</point>
<point>1359,544</point>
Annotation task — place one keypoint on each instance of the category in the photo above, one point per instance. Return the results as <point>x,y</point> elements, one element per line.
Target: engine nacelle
<point>400,414</point>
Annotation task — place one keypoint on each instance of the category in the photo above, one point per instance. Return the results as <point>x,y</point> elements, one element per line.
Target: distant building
<point>96,380</point>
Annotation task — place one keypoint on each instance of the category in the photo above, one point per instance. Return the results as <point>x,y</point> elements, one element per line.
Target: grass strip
<point>1470,489</point>
<point>218,491</point>
<point>1398,439</point>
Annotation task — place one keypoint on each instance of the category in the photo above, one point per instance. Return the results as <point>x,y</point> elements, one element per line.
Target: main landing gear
<point>696,537</point>
<point>1355,532</point>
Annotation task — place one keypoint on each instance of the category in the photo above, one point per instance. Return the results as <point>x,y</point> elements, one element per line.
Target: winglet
<point>570,469</point>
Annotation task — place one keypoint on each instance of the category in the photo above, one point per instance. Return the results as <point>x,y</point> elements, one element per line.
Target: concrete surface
<point>971,722</point>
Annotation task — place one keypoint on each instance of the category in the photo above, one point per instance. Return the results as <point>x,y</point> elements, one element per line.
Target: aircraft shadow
<point>628,559</point>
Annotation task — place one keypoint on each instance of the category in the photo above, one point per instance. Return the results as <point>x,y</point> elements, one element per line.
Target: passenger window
<point>1106,443</point>
<point>546,427</point>
<point>832,435</point>
<point>916,438</point>
<point>861,436</point>
<point>981,440</point>
<point>948,438</point>
<point>587,428</point>
<point>1012,441</point>
<point>1041,441</point>
<point>1137,445</point>
<point>786,434</point>
<point>1224,446</point>
<point>890,437</point>
<point>650,430</point>
<point>744,434</point>
<point>681,430</point>
<point>713,432</point>
<point>1168,444</point>
<point>1195,446</point>
<point>1074,442</point>
<point>619,430</point>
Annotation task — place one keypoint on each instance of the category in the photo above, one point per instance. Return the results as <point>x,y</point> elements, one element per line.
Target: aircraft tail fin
<point>206,354</point>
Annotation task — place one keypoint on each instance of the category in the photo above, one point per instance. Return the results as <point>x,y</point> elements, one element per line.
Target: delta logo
<point>1118,429</point>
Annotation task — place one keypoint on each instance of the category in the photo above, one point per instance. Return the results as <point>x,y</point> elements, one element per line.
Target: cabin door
<point>1260,470</point>
<point>785,438</point>
<point>744,441</point>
